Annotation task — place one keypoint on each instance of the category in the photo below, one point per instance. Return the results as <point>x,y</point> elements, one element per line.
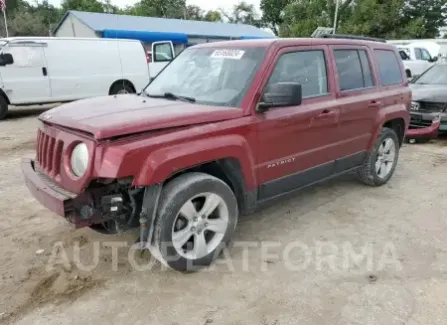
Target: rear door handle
<point>325,114</point>
<point>44,71</point>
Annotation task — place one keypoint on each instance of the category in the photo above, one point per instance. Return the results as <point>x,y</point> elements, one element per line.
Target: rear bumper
<point>46,193</point>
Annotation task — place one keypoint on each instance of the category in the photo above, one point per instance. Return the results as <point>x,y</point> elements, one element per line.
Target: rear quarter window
<point>389,68</point>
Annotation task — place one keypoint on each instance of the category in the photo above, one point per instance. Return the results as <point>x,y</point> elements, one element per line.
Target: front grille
<point>432,107</point>
<point>418,122</point>
<point>49,153</point>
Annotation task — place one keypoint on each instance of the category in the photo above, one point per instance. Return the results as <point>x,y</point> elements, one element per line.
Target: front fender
<point>164,162</point>
<point>398,111</point>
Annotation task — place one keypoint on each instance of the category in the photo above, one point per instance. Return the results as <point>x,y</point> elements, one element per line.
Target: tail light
<point>148,57</point>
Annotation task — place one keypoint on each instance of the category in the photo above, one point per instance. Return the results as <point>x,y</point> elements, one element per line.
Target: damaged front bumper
<point>82,210</point>
<point>426,125</point>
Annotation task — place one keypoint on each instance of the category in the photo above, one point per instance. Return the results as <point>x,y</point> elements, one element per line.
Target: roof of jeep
<point>294,42</point>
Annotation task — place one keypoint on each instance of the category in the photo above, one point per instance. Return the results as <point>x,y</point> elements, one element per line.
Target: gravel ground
<point>340,253</point>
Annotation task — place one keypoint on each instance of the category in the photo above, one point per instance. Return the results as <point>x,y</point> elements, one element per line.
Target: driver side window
<point>308,68</point>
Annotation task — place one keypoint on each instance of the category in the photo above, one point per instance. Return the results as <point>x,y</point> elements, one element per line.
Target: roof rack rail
<point>358,37</point>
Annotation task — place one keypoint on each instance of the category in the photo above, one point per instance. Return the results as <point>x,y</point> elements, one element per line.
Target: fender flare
<point>398,111</point>
<point>165,162</point>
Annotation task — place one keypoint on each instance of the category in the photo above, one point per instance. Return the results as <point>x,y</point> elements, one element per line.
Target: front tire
<point>380,164</point>
<point>196,220</point>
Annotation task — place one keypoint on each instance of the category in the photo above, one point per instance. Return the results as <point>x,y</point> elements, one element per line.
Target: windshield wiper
<point>170,95</point>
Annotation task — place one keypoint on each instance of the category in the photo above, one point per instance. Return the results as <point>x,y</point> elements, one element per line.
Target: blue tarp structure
<point>146,36</point>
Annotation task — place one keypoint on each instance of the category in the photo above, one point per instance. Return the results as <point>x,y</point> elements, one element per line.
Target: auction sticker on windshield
<point>228,54</point>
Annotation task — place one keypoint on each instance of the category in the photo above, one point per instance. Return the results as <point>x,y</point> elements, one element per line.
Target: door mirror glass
<point>6,58</point>
<point>281,94</point>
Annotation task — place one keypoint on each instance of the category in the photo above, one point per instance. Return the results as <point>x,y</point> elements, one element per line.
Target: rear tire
<point>380,164</point>
<point>122,89</point>
<point>195,221</point>
<point>3,107</point>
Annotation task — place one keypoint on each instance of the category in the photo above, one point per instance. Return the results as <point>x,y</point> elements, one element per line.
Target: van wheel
<point>121,89</point>
<point>196,219</point>
<point>3,107</point>
<point>380,164</point>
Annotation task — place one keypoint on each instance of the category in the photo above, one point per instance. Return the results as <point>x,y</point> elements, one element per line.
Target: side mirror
<point>434,59</point>
<point>6,59</point>
<point>280,94</point>
<point>162,51</point>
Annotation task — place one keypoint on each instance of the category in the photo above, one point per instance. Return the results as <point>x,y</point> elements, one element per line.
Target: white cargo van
<point>416,59</point>
<point>41,70</point>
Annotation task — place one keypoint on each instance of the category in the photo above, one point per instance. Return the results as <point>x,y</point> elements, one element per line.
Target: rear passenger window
<point>353,69</point>
<point>308,68</point>
<point>389,68</point>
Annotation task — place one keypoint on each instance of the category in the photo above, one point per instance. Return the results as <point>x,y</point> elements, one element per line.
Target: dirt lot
<point>401,280</point>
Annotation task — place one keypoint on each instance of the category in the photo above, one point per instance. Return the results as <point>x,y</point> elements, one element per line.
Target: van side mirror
<point>433,59</point>
<point>6,59</point>
<point>162,51</point>
<point>279,95</point>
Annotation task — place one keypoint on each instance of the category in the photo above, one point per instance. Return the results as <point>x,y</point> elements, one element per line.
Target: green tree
<point>243,13</point>
<point>430,13</point>
<point>26,24</point>
<point>213,15</point>
<point>273,13</point>
<point>302,17</point>
<point>160,8</point>
<point>194,13</point>
<point>82,5</point>
<point>376,18</point>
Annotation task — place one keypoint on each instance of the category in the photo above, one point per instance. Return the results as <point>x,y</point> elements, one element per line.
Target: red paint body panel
<point>111,116</point>
<point>151,139</point>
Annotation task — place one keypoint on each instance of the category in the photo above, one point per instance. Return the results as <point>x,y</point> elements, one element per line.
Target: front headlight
<point>415,106</point>
<point>79,159</point>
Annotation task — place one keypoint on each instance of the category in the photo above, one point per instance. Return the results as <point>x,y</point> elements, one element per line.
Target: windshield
<point>436,75</point>
<point>210,76</point>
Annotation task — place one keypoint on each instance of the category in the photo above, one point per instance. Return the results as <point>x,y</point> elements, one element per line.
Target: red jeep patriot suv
<point>223,128</point>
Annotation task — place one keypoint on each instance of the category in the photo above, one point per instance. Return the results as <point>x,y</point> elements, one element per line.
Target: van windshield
<point>210,76</point>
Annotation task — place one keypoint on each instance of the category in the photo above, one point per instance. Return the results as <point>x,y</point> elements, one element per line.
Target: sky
<point>226,5</point>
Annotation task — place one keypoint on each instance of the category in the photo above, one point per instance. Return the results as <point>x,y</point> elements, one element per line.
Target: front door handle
<point>44,71</point>
<point>375,103</point>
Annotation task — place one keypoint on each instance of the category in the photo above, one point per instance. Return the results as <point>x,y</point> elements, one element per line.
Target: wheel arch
<point>398,125</point>
<point>395,117</point>
<point>228,158</point>
<point>121,81</point>
<point>228,170</point>
<point>2,94</point>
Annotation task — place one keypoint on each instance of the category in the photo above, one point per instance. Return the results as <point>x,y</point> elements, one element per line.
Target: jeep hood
<point>111,116</point>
